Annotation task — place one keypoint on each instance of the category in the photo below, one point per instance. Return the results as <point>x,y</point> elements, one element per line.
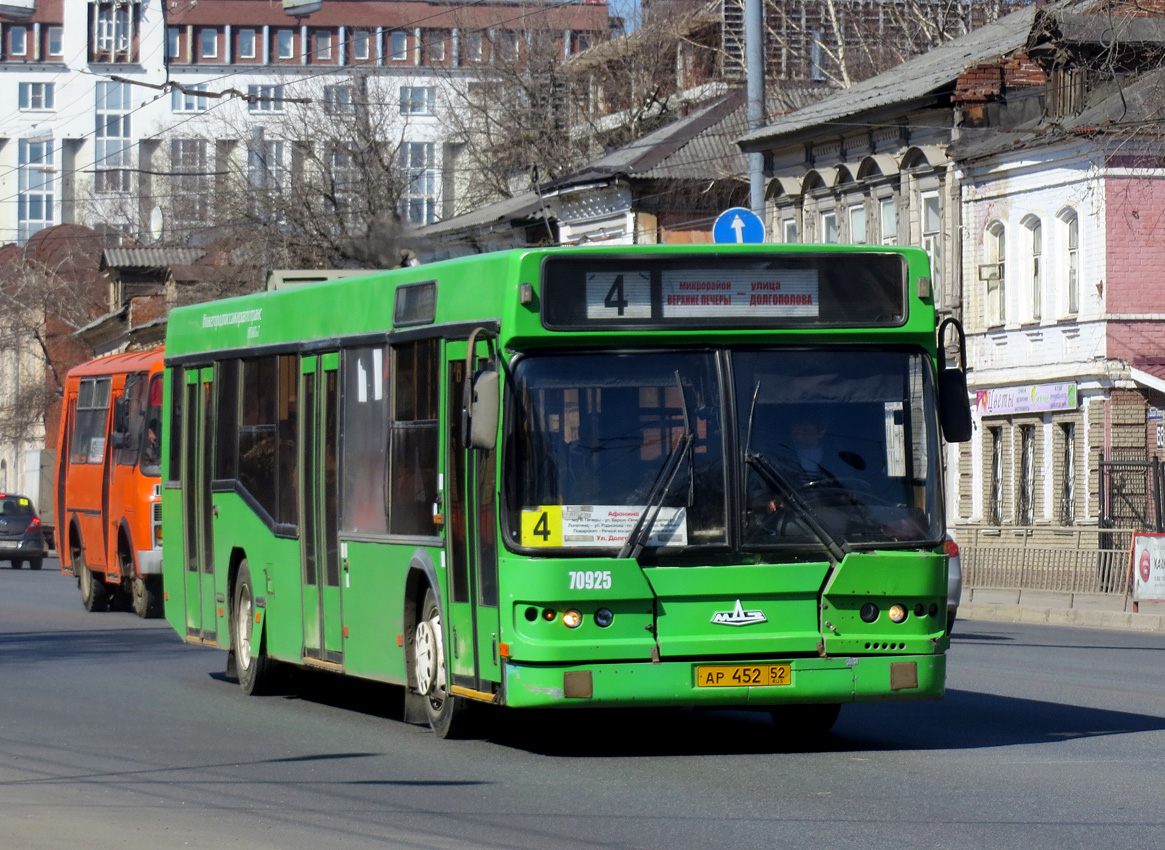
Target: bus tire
<point>147,597</point>
<point>94,592</point>
<point>35,563</point>
<point>255,673</point>
<point>805,723</point>
<point>446,713</point>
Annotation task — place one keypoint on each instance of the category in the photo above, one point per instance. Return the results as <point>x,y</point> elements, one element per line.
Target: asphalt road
<point>114,734</point>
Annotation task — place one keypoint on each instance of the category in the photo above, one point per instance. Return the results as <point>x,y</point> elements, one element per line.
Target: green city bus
<point>697,475</point>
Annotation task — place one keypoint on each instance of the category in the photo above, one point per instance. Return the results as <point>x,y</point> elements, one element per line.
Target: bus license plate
<point>743,675</point>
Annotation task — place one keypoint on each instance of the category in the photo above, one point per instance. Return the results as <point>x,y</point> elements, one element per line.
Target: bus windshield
<point>829,448</point>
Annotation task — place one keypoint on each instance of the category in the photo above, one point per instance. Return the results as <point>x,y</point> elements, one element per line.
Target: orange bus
<point>108,484</point>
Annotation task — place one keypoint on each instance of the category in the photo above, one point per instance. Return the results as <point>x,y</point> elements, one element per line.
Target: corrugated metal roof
<point>912,80</point>
<point>150,258</point>
<point>522,207</point>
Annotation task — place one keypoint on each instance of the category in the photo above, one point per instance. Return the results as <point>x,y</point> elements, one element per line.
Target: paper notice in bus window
<point>895,440</point>
<point>618,295</point>
<point>598,526</point>
<point>773,293</point>
<point>96,449</point>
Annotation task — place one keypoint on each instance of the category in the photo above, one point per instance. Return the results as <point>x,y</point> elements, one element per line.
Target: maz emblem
<point>738,616</point>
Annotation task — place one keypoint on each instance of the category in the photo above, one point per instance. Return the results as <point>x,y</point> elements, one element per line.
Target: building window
<point>1036,281</point>
<point>418,100</point>
<point>173,43</point>
<point>1068,482</point>
<point>857,224</point>
<point>265,165</point>
<point>435,45</point>
<point>246,44</point>
<point>888,218</point>
<point>265,98</point>
<point>474,46</point>
<point>816,57</point>
<point>1025,514</point>
<point>323,45</point>
<point>112,36</point>
<point>932,242</point>
<point>114,146</point>
<point>17,41</point>
<point>399,45</point>
<point>790,226</point>
<point>285,44</point>
<point>190,164</point>
<point>56,41</point>
<point>829,228</point>
<point>994,273</point>
<point>1072,260</point>
<point>419,203</point>
<point>337,99</point>
<point>208,44</point>
<point>508,45</point>
<point>37,188</point>
<point>35,96</point>
<point>360,42</point>
<point>995,493</point>
<point>184,99</point>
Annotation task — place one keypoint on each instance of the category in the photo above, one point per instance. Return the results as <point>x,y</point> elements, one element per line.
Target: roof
<point>130,361</point>
<point>915,79</point>
<point>519,208</point>
<point>150,258</point>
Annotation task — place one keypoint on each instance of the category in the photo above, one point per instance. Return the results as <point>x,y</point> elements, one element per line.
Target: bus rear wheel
<point>446,713</point>
<point>147,597</point>
<point>95,593</point>
<point>255,673</point>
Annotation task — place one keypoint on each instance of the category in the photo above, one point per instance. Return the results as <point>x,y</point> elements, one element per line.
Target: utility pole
<point>755,67</point>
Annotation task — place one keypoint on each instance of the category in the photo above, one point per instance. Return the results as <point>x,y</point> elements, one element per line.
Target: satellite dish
<point>156,223</point>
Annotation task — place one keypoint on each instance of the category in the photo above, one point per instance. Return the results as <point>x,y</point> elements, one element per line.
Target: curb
<point>1115,620</point>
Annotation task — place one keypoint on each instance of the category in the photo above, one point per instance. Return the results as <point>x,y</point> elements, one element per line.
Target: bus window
<point>414,437</point>
<point>365,434</point>
<point>151,439</point>
<point>129,418</point>
<point>92,415</point>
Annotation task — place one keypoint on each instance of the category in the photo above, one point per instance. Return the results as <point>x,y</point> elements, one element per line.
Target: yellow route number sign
<point>542,526</point>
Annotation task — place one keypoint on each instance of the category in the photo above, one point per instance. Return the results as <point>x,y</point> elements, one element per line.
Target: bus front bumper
<point>149,562</point>
<point>674,683</point>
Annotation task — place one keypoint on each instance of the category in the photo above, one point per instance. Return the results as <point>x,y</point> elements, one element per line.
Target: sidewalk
<point>1095,611</point>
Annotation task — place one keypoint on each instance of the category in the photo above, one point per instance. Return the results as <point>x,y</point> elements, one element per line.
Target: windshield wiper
<point>661,486</point>
<point>779,482</point>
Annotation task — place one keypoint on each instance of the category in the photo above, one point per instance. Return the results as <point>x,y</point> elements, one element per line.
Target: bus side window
<point>413,437</point>
<point>365,400</point>
<point>90,424</point>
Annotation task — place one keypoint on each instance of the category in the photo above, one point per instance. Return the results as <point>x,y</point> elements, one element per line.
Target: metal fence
<point>1068,560</point>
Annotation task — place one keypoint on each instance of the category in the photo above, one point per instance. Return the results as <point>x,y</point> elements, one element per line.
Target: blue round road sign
<point>738,226</point>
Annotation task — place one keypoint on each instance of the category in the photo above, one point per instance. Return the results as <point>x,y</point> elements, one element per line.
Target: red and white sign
<point>1149,567</point>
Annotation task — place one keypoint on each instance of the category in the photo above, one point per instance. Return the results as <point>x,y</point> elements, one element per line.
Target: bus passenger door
<point>319,497</point>
<point>198,512</point>
<point>471,541</point>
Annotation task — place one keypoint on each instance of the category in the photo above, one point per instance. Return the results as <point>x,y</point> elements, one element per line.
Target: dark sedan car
<point>21,537</point>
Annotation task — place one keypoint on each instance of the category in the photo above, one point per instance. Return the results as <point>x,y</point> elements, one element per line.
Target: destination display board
<point>775,291</point>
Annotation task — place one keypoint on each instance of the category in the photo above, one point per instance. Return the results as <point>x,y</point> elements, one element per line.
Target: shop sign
<point>1034,398</point>
<point>1148,567</point>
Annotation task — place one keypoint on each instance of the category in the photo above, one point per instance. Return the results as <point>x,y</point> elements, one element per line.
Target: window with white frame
<point>37,188</point>
<point>474,46</point>
<point>418,100</point>
<point>265,98</point>
<point>338,99</point>
<point>56,41</point>
<point>208,44</point>
<point>189,163</point>
<point>323,45</point>
<point>17,41</point>
<point>266,168</point>
<point>790,231</point>
<point>1035,275</point>
<point>829,228</point>
<point>857,224</point>
<point>888,221</point>
<point>435,45</point>
<point>185,99</point>
<point>173,43</point>
<point>932,242</point>
<point>285,44</point>
<point>247,44</point>
<point>993,273</point>
<point>114,145</point>
<point>398,43</point>
<point>1071,230</point>
<point>508,45</point>
<point>35,96</point>
<point>113,25</point>
<point>360,45</point>
<point>419,202</point>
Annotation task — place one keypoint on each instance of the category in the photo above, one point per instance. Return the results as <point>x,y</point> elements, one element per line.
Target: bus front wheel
<point>95,593</point>
<point>446,712</point>
<point>147,597</point>
<point>255,673</point>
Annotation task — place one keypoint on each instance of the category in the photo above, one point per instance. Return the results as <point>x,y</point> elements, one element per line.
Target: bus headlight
<point>572,619</point>
<point>604,617</point>
<point>897,613</point>
<point>869,612</point>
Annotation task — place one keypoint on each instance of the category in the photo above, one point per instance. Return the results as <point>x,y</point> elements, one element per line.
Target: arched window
<point>1035,271</point>
<point>994,273</point>
<point>1070,227</point>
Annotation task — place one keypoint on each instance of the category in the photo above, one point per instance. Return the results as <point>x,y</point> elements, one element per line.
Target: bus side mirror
<point>483,412</point>
<point>954,407</point>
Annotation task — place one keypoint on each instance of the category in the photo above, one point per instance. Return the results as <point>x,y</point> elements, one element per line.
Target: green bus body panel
<point>663,616</point>
<point>814,680</point>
